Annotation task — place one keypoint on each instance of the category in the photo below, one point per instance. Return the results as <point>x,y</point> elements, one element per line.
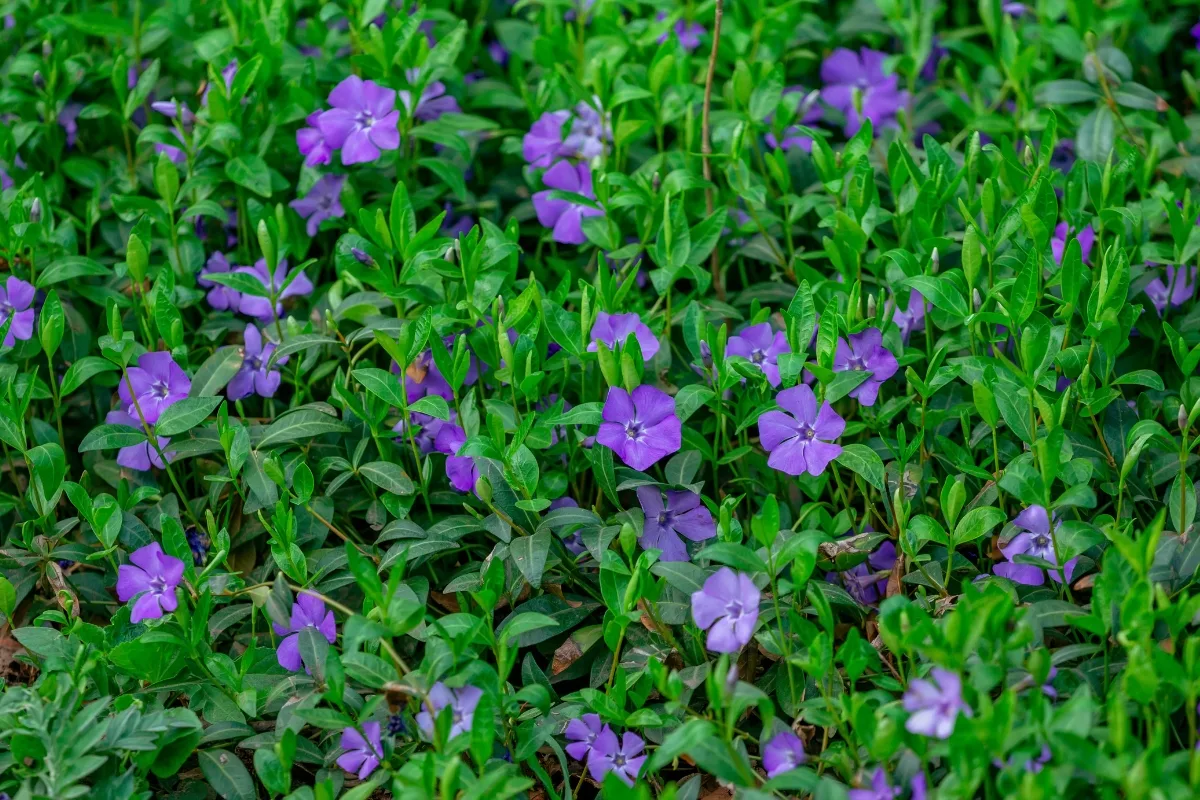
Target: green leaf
<point>864,462</point>
<point>433,405</point>
<point>70,268</point>
<point>941,292</point>
<point>185,415</point>
<point>216,371</point>
<point>529,554</point>
<point>524,623</point>
<point>387,476</point>
<point>82,370</point>
<point>301,424</point>
<point>250,172</point>
<point>976,524</point>
<point>106,437</point>
<point>227,775</point>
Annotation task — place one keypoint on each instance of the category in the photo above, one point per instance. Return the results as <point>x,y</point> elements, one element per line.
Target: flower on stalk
<point>800,438</point>
<point>433,101</point>
<point>311,142</point>
<point>158,383</point>
<point>308,611</point>
<point>622,757</point>
<point>856,86</point>
<point>462,703</point>
<point>149,580</point>
<point>727,607</point>
<point>782,754</point>
<point>322,202</point>
<point>865,352</point>
<point>1035,539</point>
<point>1058,242</point>
<point>565,217</point>
<point>615,329</point>
<point>762,347</point>
<point>687,33</point>
<point>363,753</point>
<point>582,734</point>
<point>1177,289</point>
<point>260,307</point>
<point>683,514</point>
<point>640,428</point>
<point>16,301</point>
<point>934,706</point>
<point>362,120</point>
<point>254,377</point>
<point>141,456</point>
<point>220,296</point>
<point>461,470</point>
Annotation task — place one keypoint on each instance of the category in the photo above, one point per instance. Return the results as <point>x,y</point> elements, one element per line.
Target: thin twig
<point>706,142</point>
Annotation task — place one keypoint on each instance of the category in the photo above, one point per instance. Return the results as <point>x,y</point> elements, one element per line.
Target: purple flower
<point>6,181</point>
<point>1031,765</point>
<point>68,118</point>
<point>856,86</point>
<point>311,142</point>
<point>363,754</point>
<point>862,581</point>
<point>688,33</point>
<point>762,347</point>
<point>220,296</point>
<point>462,703</point>
<point>800,438</point>
<point>16,301</point>
<point>782,754</point>
<point>254,377</point>
<point>1035,539</point>
<point>176,155</point>
<point>585,139</point>
<point>683,514</point>
<point>621,758</point>
<point>321,203</point>
<point>429,427</point>
<point>158,383</point>
<point>934,705</point>
<point>880,788</point>
<point>227,76</point>
<point>453,226</point>
<point>1058,242</point>
<point>911,319</point>
<point>498,52</point>
<point>362,120</point>
<point>433,101</point>
<point>640,429</point>
<point>1177,289</point>
<point>1196,34</point>
<point>460,470</point>
<point>865,351</point>
<point>1014,9</point>
<point>937,54</point>
<point>582,734</point>
<point>139,456</point>
<point>149,580</point>
<point>173,109</point>
<point>423,377</point>
<point>308,611</point>
<point>564,216</point>
<point>260,307</point>
<point>727,607</point>
<point>615,329</point>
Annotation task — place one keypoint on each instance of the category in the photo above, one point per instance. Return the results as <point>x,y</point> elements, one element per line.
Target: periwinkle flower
<point>615,329</point>
<point>68,118</point>
<point>880,788</point>
<point>308,611</point>
<point>311,142</point>
<point>16,301</point>
<point>856,85</point>
<point>1058,242</point>
<point>862,581</point>
<point>149,580</point>
<point>782,754</point>
<point>363,753</point>
<point>1177,289</point>
<point>727,607</point>
<point>686,33</point>
<point>322,202</point>
<point>549,140</point>
<point>582,734</point>
<point>1031,765</point>
<point>461,702</point>
<point>934,706</point>
<point>141,456</point>
<point>563,216</point>
<point>254,377</point>
<point>260,307</point>
<point>1014,9</point>
<point>461,470</point>
<point>455,225</point>
<point>622,757</point>
<point>362,120</point>
<point>937,54</point>
<point>175,154</point>
<point>422,377</point>
<point>681,514</point>
<point>1035,539</point>
<point>912,318</point>
<point>498,52</point>
<point>220,296</point>
<point>433,102</point>
<point>157,382</point>
<point>800,438</point>
<point>865,352</point>
<point>173,109</point>
<point>228,73</point>
<point>641,428</point>
<point>762,346</point>
<point>1196,34</point>
<point>428,428</point>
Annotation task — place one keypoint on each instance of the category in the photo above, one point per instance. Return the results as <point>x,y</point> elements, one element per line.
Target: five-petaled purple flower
<point>220,296</point>
<point>16,301</point>
<point>565,217</point>
<point>622,757</point>
<point>856,85</point>
<point>260,307</point>
<point>254,377</point>
<point>462,703</point>
<point>149,580</point>
<point>1058,242</point>
<point>865,352</point>
<point>461,470</point>
<point>782,754</point>
<point>362,120</point>
<point>158,383</point>
<point>615,329</point>
<point>800,438</point>
<point>687,33</point>
<point>683,514</point>
<point>363,754</point>
<point>640,428</point>
<point>433,101</point>
<point>308,611</point>
<point>582,734</point>
<point>1177,289</point>
<point>322,202</point>
<point>762,347</point>
<point>1035,539</point>
<point>934,706</point>
<point>727,607</point>
<point>143,455</point>
<point>311,142</point>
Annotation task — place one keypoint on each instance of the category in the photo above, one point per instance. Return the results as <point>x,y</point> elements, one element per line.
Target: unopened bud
<point>47,49</point>
<point>656,182</point>
<point>35,210</point>
<point>935,262</point>
<point>807,103</point>
<point>363,257</point>
<point>1182,418</point>
<point>706,355</point>
<point>871,305</point>
<point>731,679</point>
<point>977,299</point>
<point>1028,155</point>
<point>39,82</point>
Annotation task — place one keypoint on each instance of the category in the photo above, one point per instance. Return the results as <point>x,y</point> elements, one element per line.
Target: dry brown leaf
<point>567,654</point>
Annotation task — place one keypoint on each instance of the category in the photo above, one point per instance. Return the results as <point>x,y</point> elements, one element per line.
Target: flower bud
<point>47,49</point>
<point>1027,155</point>
<point>39,82</point>
<point>656,181</point>
<point>363,257</point>
<point>977,299</point>
<point>35,210</point>
<point>872,305</point>
<point>1182,418</point>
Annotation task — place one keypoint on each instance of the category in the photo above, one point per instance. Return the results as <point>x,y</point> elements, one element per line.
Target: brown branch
<point>706,142</point>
